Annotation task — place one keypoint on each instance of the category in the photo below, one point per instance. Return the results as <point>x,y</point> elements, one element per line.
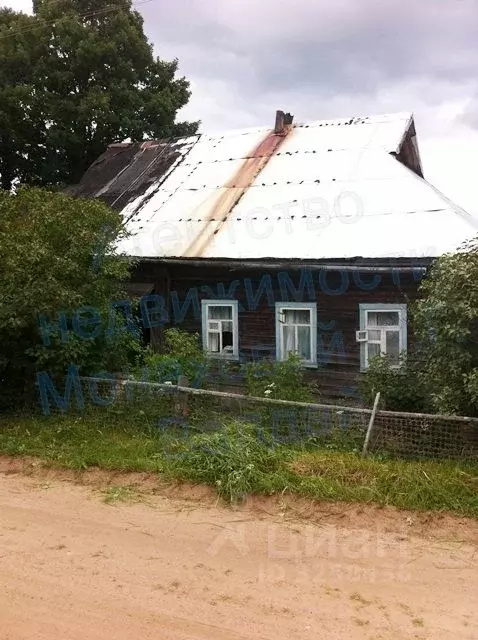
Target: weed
<point>426,485</point>
<point>120,494</point>
<point>183,357</point>
<point>233,459</point>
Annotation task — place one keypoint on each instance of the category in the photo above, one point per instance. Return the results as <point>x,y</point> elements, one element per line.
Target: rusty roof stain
<point>235,188</point>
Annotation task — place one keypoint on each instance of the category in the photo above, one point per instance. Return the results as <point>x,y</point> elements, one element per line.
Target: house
<point>309,238</point>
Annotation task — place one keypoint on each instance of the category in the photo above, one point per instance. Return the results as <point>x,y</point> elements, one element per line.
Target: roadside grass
<point>120,493</point>
<point>80,442</point>
<point>438,485</point>
<point>240,459</point>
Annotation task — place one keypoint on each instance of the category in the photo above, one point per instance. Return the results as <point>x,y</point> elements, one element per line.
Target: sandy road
<point>75,568</point>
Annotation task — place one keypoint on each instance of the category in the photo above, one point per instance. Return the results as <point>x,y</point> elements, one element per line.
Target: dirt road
<point>75,568</point>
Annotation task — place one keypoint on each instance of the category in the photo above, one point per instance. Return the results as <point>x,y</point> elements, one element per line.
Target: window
<point>296,331</point>
<point>383,331</point>
<point>220,328</point>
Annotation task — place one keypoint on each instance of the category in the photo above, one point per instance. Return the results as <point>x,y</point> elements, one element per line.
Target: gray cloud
<point>351,46</point>
<point>322,59</point>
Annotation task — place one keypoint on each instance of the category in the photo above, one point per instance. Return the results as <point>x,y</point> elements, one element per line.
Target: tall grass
<point>240,459</point>
<point>237,460</point>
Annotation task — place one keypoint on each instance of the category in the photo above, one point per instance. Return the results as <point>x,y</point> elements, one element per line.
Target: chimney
<point>283,122</point>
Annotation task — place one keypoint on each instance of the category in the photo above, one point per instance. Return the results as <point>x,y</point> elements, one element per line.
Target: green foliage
<point>74,77</point>
<point>182,344</point>
<point>443,376</point>
<point>446,323</point>
<point>471,386</point>
<point>233,459</point>
<point>428,485</point>
<point>278,380</point>
<point>182,356</point>
<point>401,389</point>
<point>19,121</point>
<point>281,381</point>
<point>47,242</point>
<point>240,462</point>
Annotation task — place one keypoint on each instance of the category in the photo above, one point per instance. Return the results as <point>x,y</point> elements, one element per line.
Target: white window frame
<point>364,309</point>
<point>297,306</point>
<point>205,305</point>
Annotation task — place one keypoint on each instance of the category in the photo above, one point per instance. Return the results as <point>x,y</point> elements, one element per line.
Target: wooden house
<point>309,238</point>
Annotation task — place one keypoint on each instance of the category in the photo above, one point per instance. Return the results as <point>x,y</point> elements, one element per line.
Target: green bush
<point>48,263</point>
<point>445,321</point>
<point>401,389</point>
<point>278,380</point>
<point>182,356</point>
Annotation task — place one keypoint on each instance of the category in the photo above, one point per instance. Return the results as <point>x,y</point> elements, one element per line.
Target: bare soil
<point>172,563</point>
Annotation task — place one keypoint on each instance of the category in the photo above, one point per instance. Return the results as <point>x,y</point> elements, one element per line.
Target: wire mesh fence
<point>183,411</point>
<point>425,435</point>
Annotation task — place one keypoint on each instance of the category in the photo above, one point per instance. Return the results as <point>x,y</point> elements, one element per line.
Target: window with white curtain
<point>296,331</point>
<point>383,331</point>
<point>220,328</point>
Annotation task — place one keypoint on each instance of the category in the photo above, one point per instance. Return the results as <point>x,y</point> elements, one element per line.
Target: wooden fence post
<point>370,425</point>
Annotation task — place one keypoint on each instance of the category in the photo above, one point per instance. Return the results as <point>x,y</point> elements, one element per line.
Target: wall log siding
<point>337,295</point>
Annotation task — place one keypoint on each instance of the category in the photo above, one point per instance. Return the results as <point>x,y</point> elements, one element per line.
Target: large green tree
<point>21,131</point>
<point>74,77</point>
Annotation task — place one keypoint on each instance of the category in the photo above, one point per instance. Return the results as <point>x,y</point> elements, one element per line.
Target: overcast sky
<point>322,59</point>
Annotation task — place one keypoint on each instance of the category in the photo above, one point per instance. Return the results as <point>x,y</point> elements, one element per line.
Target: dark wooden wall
<point>337,294</point>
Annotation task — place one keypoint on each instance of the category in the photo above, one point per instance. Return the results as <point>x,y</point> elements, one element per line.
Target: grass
<point>236,462</point>
<point>120,493</point>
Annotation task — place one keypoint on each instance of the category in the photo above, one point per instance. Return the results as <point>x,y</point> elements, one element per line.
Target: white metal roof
<point>332,190</point>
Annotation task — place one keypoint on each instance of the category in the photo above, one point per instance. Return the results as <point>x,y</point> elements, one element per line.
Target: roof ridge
<point>350,120</point>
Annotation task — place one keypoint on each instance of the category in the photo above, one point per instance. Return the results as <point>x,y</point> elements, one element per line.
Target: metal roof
<point>320,190</point>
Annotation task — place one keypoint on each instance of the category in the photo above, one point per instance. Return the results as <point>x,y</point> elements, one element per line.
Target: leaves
<point>47,245</point>
<point>75,77</point>
<point>401,389</point>
<point>446,324</point>
<point>279,380</point>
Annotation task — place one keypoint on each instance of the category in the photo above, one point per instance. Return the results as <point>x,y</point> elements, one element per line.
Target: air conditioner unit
<point>361,336</point>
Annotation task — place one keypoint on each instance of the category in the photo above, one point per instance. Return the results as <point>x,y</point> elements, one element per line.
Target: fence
<point>170,407</point>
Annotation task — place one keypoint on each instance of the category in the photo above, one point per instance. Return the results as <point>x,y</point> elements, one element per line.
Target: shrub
<point>48,248</point>
<point>401,389</point>
<point>278,380</point>
<point>182,356</point>
<point>446,323</point>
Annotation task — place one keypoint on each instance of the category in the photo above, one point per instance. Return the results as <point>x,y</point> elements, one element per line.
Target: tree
<point>48,243</point>
<point>446,323</point>
<point>19,124</point>
<point>75,77</point>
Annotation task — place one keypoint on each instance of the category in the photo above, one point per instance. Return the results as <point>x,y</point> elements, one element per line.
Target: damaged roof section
<point>325,189</point>
<point>126,170</point>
